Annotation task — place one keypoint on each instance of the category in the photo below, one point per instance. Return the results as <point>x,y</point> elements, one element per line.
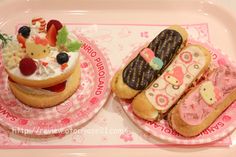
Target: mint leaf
<point>73,46</point>
<point>62,36</point>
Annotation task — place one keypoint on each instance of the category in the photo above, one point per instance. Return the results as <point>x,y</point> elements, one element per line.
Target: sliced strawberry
<point>21,40</point>
<point>52,35</point>
<point>57,88</point>
<point>63,66</point>
<point>56,23</point>
<point>45,63</point>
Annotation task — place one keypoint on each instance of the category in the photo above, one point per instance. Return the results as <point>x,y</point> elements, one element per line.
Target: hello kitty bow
<point>149,56</point>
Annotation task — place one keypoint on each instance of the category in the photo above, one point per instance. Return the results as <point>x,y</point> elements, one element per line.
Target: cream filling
<point>34,91</point>
<point>38,91</point>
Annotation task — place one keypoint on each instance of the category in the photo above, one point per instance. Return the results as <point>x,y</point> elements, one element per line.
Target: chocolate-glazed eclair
<point>149,63</point>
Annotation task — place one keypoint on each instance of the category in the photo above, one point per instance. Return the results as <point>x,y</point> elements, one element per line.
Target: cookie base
<point>44,101</point>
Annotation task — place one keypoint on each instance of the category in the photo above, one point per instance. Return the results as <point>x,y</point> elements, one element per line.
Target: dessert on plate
<point>42,62</point>
<point>205,102</point>
<point>189,65</point>
<point>150,62</point>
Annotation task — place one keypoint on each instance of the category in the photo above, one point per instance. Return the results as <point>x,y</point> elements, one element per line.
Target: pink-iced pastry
<point>162,95</point>
<point>205,102</point>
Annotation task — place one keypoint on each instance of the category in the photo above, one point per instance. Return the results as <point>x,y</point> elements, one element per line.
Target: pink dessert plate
<point>220,21</point>
<point>223,126</point>
<point>75,111</point>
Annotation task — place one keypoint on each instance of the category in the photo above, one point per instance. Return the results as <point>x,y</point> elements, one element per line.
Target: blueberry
<point>62,58</point>
<point>24,31</point>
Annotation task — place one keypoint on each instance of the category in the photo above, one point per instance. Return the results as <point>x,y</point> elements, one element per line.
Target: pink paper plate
<point>75,111</point>
<point>223,126</point>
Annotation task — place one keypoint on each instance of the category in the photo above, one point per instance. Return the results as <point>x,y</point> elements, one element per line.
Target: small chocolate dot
<point>155,85</point>
<point>186,57</point>
<point>188,76</point>
<point>161,100</point>
<point>32,53</point>
<point>196,54</point>
<point>175,87</point>
<point>150,94</point>
<point>196,66</point>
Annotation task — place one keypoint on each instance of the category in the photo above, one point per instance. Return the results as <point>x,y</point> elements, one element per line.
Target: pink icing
<point>176,73</point>
<point>186,57</point>
<point>42,41</point>
<point>147,54</point>
<point>162,100</point>
<point>217,93</point>
<point>194,110</point>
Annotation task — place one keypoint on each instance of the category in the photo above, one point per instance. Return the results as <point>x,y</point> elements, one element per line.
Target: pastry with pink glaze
<point>205,102</point>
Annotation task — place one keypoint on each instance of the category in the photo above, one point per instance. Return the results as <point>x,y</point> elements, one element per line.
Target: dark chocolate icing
<point>138,74</point>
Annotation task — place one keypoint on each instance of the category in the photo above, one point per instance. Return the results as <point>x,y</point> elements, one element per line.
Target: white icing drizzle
<point>46,70</point>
